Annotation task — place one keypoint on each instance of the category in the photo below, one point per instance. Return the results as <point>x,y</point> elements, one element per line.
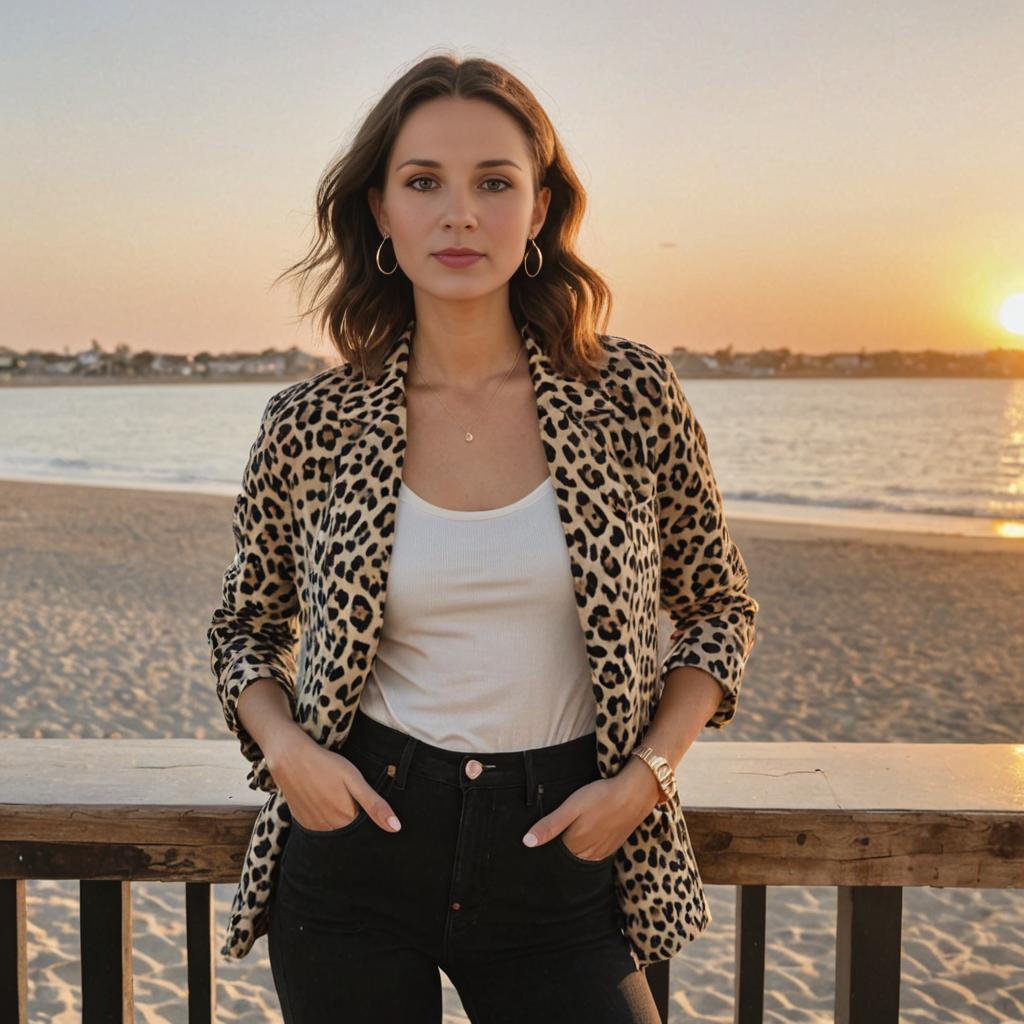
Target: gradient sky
<point>817,175</point>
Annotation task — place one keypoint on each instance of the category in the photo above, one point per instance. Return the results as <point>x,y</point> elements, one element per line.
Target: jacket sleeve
<point>704,578</point>
<point>254,633</point>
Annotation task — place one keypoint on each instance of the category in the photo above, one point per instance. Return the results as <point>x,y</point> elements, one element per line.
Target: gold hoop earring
<point>387,273</point>
<point>540,259</point>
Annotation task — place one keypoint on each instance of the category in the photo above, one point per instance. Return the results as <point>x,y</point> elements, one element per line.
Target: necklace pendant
<point>469,436</point>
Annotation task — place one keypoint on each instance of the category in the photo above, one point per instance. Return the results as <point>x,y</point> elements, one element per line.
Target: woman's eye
<point>499,181</point>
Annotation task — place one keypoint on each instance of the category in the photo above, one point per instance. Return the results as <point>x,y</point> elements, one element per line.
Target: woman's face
<point>437,196</point>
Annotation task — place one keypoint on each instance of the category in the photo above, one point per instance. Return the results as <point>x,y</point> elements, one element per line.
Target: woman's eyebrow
<point>437,163</point>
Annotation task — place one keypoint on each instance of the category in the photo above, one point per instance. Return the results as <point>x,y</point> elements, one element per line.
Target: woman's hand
<point>597,818</point>
<point>325,790</point>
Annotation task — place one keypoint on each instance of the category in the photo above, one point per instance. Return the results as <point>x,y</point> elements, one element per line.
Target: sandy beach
<point>864,635</point>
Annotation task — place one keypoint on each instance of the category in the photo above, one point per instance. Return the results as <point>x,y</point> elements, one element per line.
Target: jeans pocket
<point>382,781</point>
<point>550,795</point>
<point>582,861</point>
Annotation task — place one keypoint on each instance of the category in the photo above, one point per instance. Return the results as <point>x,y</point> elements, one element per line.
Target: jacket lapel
<point>592,492</point>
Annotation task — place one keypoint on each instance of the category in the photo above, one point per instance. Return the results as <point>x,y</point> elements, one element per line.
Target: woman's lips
<point>457,261</point>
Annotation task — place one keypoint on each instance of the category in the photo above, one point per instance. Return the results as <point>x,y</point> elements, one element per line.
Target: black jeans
<point>361,918</point>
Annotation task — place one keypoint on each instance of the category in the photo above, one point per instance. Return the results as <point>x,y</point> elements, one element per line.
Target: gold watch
<point>663,772</point>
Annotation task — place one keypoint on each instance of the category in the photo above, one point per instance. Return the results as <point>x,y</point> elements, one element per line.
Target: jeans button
<point>474,768</point>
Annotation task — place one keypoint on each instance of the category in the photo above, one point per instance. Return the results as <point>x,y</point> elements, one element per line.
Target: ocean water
<point>941,455</point>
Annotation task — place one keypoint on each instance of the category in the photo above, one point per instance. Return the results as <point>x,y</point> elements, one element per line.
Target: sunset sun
<point>1011,313</point>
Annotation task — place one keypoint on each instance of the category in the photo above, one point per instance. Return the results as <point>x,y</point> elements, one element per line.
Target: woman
<point>481,779</point>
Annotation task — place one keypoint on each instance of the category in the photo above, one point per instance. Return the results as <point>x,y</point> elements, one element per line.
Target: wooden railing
<point>867,818</point>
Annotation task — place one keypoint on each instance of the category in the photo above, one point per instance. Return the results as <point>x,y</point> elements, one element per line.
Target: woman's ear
<point>540,210</point>
<point>373,198</point>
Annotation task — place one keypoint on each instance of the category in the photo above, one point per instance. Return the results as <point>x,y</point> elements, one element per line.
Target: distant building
<point>179,365</point>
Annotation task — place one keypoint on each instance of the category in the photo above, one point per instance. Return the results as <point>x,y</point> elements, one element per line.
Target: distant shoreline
<point>253,378</point>
<point>240,378</point>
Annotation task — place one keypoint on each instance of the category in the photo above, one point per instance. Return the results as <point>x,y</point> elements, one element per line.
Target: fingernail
<point>394,823</point>
<point>530,839</point>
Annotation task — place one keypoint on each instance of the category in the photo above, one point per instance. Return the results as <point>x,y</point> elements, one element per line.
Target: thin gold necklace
<point>467,434</point>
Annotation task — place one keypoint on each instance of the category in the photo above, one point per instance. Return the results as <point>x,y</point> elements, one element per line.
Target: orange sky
<point>759,175</point>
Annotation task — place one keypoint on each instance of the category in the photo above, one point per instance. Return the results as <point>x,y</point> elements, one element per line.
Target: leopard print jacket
<point>643,520</point>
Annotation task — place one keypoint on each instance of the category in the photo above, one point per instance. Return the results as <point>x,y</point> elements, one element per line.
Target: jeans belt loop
<point>403,762</point>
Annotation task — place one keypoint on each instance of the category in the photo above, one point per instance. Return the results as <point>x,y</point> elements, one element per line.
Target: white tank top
<point>481,648</point>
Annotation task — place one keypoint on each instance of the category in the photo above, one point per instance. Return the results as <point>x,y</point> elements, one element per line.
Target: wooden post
<point>106,949</point>
<point>748,978</point>
<point>13,952</point>
<point>868,948</point>
<point>199,924</point>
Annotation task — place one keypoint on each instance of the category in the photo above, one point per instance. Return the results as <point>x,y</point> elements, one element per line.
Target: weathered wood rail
<point>867,818</point>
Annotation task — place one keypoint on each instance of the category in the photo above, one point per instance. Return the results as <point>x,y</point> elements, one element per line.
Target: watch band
<point>663,772</point>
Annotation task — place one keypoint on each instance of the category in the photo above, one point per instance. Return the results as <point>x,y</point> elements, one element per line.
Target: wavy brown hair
<point>364,310</point>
